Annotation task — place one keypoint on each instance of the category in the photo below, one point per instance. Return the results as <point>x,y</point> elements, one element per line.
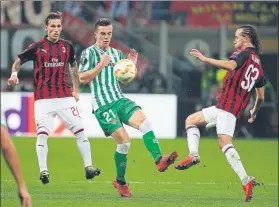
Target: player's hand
<point>13,80</point>
<point>105,59</point>
<point>197,54</point>
<point>24,196</point>
<point>133,56</point>
<point>253,116</point>
<point>76,94</point>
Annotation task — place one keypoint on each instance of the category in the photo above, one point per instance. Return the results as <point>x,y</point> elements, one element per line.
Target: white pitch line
<point>153,182</point>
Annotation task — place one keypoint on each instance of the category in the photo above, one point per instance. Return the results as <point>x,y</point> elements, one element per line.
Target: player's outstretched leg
<point>248,182</point>
<point>139,121</point>
<point>42,151</point>
<point>193,137</point>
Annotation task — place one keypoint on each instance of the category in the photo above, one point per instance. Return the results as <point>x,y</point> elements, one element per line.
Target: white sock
<point>234,160</point>
<point>193,138</point>
<point>42,150</point>
<point>84,147</point>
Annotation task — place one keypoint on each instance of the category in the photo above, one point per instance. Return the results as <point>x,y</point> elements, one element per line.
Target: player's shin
<point>120,157</point>
<point>235,162</point>
<point>193,138</point>
<point>150,141</point>
<point>83,147</point>
<point>42,149</point>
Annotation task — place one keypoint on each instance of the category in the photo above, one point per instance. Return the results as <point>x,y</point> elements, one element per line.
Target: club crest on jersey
<point>63,49</point>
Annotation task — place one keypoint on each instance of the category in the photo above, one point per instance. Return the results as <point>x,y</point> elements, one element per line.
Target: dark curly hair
<point>252,33</point>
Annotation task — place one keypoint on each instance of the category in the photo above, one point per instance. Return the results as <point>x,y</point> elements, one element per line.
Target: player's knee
<point>224,140</point>
<point>123,148</point>
<point>190,120</point>
<point>77,130</point>
<point>42,131</point>
<point>145,126</point>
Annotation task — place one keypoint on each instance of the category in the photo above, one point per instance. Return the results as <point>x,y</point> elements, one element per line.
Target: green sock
<point>152,145</point>
<point>120,162</point>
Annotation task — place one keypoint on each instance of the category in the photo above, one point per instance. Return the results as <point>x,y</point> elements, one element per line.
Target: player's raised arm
<point>133,56</point>
<point>228,65</point>
<point>86,70</point>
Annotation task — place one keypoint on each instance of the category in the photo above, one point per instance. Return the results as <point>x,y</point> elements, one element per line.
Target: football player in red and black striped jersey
<point>52,57</point>
<point>245,73</point>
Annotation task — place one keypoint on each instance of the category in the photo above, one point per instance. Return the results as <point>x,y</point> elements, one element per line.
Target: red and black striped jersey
<point>238,84</point>
<point>51,62</point>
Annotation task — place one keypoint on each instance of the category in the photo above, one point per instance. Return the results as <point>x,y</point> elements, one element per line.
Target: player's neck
<point>52,40</point>
<point>102,47</point>
<point>246,45</point>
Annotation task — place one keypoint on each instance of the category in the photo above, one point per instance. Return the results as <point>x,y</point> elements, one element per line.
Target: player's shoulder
<point>116,51</point>
<point>88,50</point>
<point>36,44</point>
<point>66,42</point>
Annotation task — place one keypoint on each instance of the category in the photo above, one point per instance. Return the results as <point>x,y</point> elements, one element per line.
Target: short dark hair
<point>102,22</point>
<point>252,33</point>
<point>53,15</point>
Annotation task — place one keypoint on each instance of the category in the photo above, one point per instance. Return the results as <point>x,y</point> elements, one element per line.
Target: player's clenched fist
<point>105,59</point>
<point>13,80</point>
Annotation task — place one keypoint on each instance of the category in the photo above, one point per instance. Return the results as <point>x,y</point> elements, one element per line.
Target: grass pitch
<point>211,183</point>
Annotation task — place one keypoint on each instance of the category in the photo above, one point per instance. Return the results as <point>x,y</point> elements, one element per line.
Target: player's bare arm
<point>85,77</point>
<point>11,157</point>
<point>13,80</point>
<point>257,105</point>
<point>75,78</point>
<point>227,65</point>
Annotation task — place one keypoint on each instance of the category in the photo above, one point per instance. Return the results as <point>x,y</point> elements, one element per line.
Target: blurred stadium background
<point>162,33</point>
<point>169,86</point>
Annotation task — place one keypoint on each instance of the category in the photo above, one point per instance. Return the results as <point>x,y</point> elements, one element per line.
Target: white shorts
<point>47,109</point>
<point>223,120</point>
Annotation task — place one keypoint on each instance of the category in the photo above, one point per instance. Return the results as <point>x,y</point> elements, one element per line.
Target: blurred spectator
<point>120,11</point>
<point>153,81</point>
<point>160,10</point>
<point>74,7</point>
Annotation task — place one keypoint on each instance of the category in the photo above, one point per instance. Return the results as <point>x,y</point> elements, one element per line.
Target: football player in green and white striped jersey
<point>112,108</point>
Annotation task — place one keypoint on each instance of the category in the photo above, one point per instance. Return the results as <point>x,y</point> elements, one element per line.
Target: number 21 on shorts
<point>109,115</point>
<point>75,111</point>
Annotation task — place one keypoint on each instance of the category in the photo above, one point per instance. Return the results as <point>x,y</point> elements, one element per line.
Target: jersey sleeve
<point>72,58</point>
<point>28,54</point>
<point>121,56</point>
<point>261,82</point>
<point>86,61</point>
<point>240,57</point>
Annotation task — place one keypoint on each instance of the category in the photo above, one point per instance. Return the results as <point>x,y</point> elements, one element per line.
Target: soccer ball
<point>125,71</point>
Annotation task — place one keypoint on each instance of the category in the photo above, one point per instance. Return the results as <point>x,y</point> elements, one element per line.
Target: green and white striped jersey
<point>104,87</point>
